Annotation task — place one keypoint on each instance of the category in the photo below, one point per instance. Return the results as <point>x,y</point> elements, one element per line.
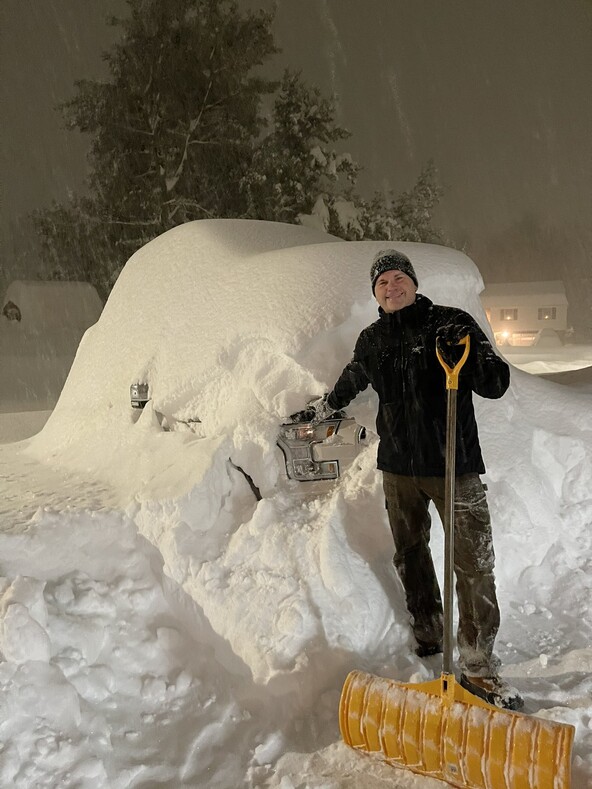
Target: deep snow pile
<point>167,627</point>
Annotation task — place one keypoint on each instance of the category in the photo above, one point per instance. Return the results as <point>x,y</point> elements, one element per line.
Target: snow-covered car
<point>151,584</point>
<point>238,324</point>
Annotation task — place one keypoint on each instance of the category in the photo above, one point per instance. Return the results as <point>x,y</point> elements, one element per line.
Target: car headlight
<point>300,433</point>
<point>308,432</point>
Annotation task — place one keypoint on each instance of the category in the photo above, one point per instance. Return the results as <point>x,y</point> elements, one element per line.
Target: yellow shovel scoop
<point>438,728</point>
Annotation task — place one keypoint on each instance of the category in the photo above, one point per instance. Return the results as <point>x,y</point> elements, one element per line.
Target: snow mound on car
<point>237,323</point>
<point>232,321</point>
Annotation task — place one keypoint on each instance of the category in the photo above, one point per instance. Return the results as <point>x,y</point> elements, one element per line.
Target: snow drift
<point>237,324</point>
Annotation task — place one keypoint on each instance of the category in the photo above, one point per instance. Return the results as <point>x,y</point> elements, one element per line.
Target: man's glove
<point>315,412</point>
<point>448,338</point>
<point>322,409</point>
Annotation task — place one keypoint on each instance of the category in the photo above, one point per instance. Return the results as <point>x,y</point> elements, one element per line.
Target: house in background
<point>41,325</point>
<point>526,313</point>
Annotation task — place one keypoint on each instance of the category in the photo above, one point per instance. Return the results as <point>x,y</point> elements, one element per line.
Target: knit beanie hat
<point>389,259</point>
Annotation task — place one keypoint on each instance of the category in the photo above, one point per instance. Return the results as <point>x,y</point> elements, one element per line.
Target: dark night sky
<point>498,93</point>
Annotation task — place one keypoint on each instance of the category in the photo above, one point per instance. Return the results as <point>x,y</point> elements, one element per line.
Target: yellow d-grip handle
<point>452,372</point>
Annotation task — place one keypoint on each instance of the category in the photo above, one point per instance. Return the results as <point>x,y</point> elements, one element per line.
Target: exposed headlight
<point>300,433</point>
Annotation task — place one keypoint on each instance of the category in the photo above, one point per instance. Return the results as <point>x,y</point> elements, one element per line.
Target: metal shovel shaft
<point>447,666</point>
<point>449,495</point>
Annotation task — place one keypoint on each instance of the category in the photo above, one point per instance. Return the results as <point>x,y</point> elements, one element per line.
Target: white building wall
<point>513,311</point>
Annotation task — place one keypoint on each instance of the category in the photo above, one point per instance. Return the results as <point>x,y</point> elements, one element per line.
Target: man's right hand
<point>448,342</point>
<point>316,411</point>
<point>322,409</point>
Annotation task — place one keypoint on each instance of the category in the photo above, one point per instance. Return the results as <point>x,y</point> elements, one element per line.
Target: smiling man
<point>396,355</point>
<point>394,290</point>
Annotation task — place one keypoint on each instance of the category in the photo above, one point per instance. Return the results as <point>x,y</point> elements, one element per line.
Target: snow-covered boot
<point>494,691</point>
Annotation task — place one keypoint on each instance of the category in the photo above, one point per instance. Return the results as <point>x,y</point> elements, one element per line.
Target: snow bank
<point>96,666</point>
<point>48,306</point>
<point>237,324</point>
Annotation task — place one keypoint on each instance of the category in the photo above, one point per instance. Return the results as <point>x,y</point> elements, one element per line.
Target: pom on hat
<point>389,259</point>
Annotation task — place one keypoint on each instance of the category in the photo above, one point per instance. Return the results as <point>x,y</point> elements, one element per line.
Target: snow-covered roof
<point>45,305</point>
<point>554,289</point>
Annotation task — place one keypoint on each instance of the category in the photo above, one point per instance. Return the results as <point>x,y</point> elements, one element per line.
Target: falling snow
<point>160,626</point>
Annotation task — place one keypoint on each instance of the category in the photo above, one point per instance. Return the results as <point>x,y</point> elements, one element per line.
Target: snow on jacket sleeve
<point>352,380</point>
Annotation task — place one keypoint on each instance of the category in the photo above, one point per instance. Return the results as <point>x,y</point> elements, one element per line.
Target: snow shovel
<point>438,728</point>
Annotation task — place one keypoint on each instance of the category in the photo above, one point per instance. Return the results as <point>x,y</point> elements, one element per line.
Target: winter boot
<point>494,691</point>
<point>424,649</point>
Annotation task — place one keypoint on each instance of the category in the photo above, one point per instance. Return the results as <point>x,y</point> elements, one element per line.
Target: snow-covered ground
<point>162,627</point>
<point>562,359</point>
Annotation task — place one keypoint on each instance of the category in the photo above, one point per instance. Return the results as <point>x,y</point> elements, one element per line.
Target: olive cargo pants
<point>407,502</point>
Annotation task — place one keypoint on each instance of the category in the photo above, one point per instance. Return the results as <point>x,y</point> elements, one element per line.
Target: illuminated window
<point>509,315</point>
<point>547,313</point>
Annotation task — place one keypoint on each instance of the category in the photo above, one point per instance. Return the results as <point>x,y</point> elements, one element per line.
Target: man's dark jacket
<point>396,355</point>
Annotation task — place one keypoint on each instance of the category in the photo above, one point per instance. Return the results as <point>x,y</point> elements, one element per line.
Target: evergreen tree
<point>178,134</point>
<point>295,162</point>
<point>298,176</point>
<point>172,131</point>
<point>408,217</point>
